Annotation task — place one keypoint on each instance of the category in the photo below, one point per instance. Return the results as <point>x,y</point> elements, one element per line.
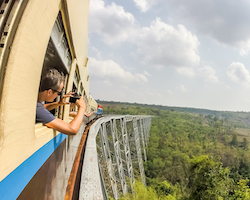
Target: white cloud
<point>237,72</point>
<point>96,52</point>
<point>125,87</point>
<point>108,70</point>
<point>182,88</point>
<point>208,74</point>
<point>189,72</point>
<point>140,78</point>
<point>228,87</point>
<point>107,83</point>
<point>162,45</point>
<point>159,95</point>
<point>244,47</point>
<point>225,21</point>
<point>145,5</point>
<point>169,92</point>
<point>153,94</point>
<point>142,5</point>
<point>147,74</point>
<point>111,21</point>
<point>246,100</point>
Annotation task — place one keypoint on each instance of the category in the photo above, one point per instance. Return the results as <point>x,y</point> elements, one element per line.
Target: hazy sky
<point>188,53</point>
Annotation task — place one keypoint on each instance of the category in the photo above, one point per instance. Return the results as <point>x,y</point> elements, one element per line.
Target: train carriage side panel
<point>80,37</point>
<point>23,71</point>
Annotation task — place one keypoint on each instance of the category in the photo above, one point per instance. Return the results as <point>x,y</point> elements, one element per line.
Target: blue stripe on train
<point>16,181</point>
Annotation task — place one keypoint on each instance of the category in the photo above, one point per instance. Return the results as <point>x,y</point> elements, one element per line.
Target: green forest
<point>192,153</point>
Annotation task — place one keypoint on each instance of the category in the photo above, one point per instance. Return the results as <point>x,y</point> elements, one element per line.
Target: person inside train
<point>51,86</point>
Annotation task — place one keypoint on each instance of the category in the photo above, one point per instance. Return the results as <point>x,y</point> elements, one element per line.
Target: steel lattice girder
<point>113,137</point>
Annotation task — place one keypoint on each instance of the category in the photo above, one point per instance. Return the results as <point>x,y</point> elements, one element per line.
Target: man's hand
<point>81,103</point>
<point>63,100</point>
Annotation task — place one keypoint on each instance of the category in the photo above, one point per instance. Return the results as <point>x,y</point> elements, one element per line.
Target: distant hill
<point>240,118</point>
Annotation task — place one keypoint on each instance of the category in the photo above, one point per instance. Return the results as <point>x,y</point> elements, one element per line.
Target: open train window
<point>77,77</point>
<point>81,89</point>
<point>58,56</point>
<point>74,89</point>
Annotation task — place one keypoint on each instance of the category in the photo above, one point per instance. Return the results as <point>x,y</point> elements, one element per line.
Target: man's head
<point>51,85</point>
<point>51,79</point>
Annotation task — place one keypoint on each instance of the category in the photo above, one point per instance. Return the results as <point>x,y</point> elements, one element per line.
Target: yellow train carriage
<point>35,161</point>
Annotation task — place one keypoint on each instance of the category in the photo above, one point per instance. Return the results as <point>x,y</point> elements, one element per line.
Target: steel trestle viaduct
<point>114,156</point>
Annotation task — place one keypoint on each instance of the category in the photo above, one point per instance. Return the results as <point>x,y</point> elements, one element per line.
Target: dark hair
<point>51,79</point>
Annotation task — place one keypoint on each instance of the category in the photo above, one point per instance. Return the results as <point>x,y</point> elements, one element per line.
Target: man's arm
<point>72,113</point>
<point>89,114</point>
<point>53,105</point>
<point>72,127</point>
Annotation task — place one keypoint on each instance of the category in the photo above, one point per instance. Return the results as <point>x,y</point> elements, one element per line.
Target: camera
<point>74,98</point>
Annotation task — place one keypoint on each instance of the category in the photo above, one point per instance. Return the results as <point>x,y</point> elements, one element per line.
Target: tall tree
<point>234,141</point>
<point>242,191</point>
<point>208,179</point>
<point>245,144</point>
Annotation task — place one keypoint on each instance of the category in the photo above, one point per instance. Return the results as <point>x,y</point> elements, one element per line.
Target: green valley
<point>192,153</point>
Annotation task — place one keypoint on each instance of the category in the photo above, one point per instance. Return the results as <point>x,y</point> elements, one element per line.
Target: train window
<point>58,35</point>
<point>58,52</point>
<point>76,77</point>
<point>77,87</point>
<point>58,56</point>
<point>81,89</point>
<point>83,93</point>
<point>75,90</point>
